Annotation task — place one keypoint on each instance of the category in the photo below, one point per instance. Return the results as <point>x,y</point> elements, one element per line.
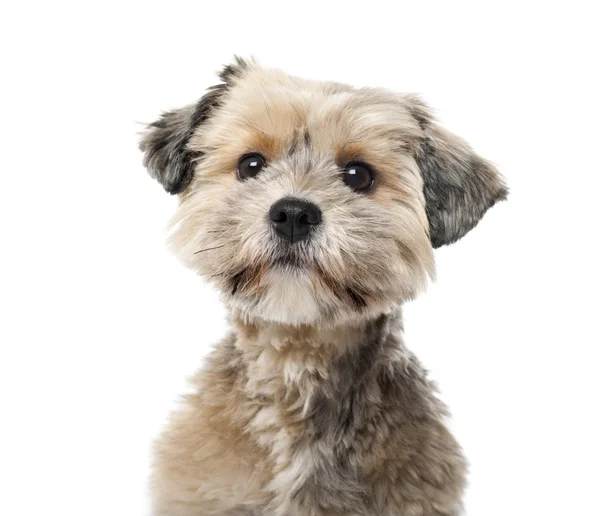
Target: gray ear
<point>165,143</point>
<point>459,186</point>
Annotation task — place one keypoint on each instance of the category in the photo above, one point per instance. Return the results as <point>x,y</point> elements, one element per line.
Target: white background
<point>100,325</point>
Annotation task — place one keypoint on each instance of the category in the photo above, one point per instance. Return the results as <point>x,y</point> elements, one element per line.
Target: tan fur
<point>234,446</point>
<point>312,406</point>
<point>265,112</point>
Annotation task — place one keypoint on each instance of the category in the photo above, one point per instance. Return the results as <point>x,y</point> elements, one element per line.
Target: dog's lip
<point>289,258</point>
<point>287,261</point>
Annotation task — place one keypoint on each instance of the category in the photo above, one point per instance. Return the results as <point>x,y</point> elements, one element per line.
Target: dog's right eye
<point>359,176</point>
<point>250,165</point>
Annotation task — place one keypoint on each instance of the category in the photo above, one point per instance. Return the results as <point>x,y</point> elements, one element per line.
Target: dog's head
<point>310,202</point>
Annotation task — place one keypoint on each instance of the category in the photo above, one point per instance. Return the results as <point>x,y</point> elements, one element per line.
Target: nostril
<point>311,215</point>
<point>278,216</point>
<point>303,219</point>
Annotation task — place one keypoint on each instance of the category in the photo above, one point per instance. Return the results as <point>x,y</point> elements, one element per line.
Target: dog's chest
<point>305,422</point>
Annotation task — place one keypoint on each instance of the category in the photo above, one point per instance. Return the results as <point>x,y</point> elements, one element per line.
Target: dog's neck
<point>296,354</point>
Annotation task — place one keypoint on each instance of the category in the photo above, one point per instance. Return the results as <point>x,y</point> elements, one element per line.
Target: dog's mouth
<point>284,262</point>
<point>289,261</point>
<point>290,257</point>
<point>254,280</point>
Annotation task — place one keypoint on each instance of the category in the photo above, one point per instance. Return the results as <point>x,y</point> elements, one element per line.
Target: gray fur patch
<point>459,186</point>
<point>365,389</point>
<point>166,155</point>
<point>234,70</point>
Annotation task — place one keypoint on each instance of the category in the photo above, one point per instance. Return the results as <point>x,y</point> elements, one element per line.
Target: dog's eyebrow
<point>350,151</point>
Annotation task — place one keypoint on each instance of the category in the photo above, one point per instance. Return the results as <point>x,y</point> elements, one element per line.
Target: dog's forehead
<point>275,105</point>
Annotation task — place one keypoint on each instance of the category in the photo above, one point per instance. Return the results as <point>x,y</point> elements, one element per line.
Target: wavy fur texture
<point>313,405</point>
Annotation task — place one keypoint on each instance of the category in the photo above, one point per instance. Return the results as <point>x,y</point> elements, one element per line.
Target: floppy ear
<point>459,186</point>
<point>165,142</point>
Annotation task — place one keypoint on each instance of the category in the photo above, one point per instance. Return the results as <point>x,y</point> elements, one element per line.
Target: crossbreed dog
<point>314,208</point>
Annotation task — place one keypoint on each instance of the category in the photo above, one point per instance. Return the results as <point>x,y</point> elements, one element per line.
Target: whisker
<point>210,248</point>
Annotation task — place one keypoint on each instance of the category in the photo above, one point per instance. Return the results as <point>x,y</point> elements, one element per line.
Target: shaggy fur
<point>312,406</point>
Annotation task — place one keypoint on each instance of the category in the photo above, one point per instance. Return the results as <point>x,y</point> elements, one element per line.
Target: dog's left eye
<point>359,176</point>
<point>250,165</point>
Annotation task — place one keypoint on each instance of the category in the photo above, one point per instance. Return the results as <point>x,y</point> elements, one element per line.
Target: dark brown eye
<point>250,165</point>
<point>359,176</point>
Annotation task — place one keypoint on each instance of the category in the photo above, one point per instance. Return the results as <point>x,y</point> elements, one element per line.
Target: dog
<point>314,208</point>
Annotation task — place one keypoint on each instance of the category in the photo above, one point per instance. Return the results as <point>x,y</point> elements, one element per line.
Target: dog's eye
<point>359,176</point>
<point>250,165</point>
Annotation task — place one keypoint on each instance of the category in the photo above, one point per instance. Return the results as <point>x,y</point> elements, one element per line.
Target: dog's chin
<point>287,295</point>
<point>294,294</point>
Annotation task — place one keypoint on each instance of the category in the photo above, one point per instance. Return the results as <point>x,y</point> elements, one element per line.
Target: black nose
<point>294,218</point>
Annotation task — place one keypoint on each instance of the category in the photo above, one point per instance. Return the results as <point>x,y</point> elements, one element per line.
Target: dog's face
<point>309,202</point>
